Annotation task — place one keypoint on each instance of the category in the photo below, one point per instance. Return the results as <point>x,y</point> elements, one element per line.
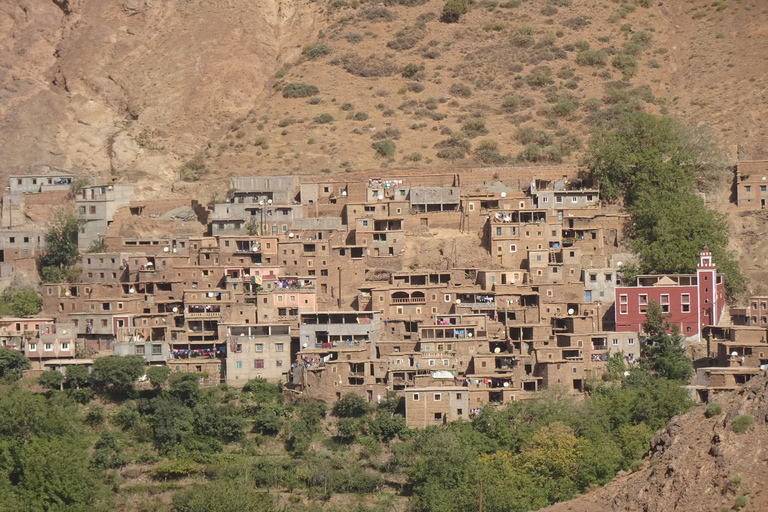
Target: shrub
<point>529,135</point>
<point>596,58</point>
<point>354,37</point>
<point>175,469</point>
<point>577,23</point>
<point>642,38</point>
<point>385,148</point>
<point>539,79</point>
<point>406,38</point>
<point>453,10</point>
<point>414,87</point>
<point>496,26</point>
<point>410,70</point>
<point>371,66</point>
<point>300,90</point>
<point>324,119</point>
<point>193,170</point>
<point>549,10</point>
<point>713,409</point>
<point>474,127</point>
<point>387,133</point>
<point>350,406</point>
<point>454,147</point>
<point>314,51</point>
<point>740,501</point>
<point>377,14</point>
<point>460,90</point>
<point>593,104</point>
<point>741,423</point>
<point>347,107</point>
<point>360,116</point>
<point>626,63</point>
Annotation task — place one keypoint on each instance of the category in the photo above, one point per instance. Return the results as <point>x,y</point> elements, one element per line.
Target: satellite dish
<point>175,309</point>
<point>506,384</point>
<point>734,354</point>
<point>255,248</point>
<point>344,192</point>
<point>469,335</point>
<point>763,178</point>
<point>381,196</point>
<point>626,374</point>
<point>174,250</point>
<point>64,331</point>
<point>496,350</point>
<point>304,345</point>
<point>132,290</point>
<point>165,249</point>
<point>458,301</point>
<point>618,263</point>
<point>503,194</point>
<point>269,201</point>
<point>570,311</point>
<point>291,235</point>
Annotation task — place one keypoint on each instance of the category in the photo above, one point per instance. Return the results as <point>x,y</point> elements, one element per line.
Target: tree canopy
<point>117,372</point>
<point>656,166</point>
<point>12,364</point>
<point>21,301</point>
<point>61,250</point>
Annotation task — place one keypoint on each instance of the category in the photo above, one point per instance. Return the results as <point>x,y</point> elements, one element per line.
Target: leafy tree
<point>61,250</point>
<point>117,373</point>
<point>665,346</point>
<point>387,426</point>
<point>77,376</point>
<point>270,418</point>
<point>185,387</point>
<point>158,375</point>
<point>171,421</point>
<point>51,379</point>
<point>350,406</point>
<point>23,301</point>
<point>264,392</point>
<point>215,422</point>
<point>12,364</point>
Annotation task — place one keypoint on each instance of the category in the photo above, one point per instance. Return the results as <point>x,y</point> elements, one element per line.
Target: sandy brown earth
<point>696,463</point>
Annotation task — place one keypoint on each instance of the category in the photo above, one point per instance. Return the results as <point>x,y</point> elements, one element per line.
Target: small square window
<point>238,364</point>
<point>416,397</point>
<point>437,397</point>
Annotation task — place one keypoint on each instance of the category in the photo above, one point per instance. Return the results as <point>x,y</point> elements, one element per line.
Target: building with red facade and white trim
<point>690,301</point>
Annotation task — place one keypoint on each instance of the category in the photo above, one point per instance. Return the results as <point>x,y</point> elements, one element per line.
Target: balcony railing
<point>410,300</point>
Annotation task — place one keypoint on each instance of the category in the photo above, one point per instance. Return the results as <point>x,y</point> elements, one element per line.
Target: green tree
<point>185,387</point>
<point>117,373</point>
<point>158,375</point>
<point>51,379</point>
<point>264,392</point>
<point>23,301</point>
<point>12,364</point>
<point>664,346</point>
<point>386,426</point>
<point>350,406</point>
<point>171,421</point>
<point>77,376</point>
<point>61,250</point>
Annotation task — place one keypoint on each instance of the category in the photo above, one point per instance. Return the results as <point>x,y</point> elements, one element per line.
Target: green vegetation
<point>385,148</point>
<point>314,51</point>
<point>713,409</point>
<point>324,119</point>
<point>193,170</point>
<point>22,301</point>
<point>453,10</point>
<point>664,346</point>
<point>741,423</point>
<point>300,90</point>
<point>61,255</point>
<point>656,165</point>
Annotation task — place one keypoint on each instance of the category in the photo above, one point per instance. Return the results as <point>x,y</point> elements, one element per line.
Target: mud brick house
<point>435,405</point>
<point>692,301</point>
<point>752,185</point>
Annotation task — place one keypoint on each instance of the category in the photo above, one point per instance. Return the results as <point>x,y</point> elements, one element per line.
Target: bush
<point>354,38</point>
<point>474,127</point>
<point>626,63</point>
<point>387,133</point>
<point>175,469</point>
<point>740,501</point>
<point>324,119</point>
<point>741,423</point>
<point>300,90</point>
<point>460,90</point>
<point>350,406</point>
<point>371,66</point>
<point>406,38</point>
<point>51,379</point>
<point>377,14</point>
<point>410,70</point>
<point>539,79</point>
<point>596,58</point>
<point>453,10</point>
<point>194,169</point>
<point>314,51</point>
<point>414,87</point>
<point>453,148</point>
<point>713,409</point>
<point>385,148</point>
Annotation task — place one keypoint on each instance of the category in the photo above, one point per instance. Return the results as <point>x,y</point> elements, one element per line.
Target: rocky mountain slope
<point>697,463</point>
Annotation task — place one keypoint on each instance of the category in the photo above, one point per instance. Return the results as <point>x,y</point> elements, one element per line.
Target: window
<point>33,347</point>
<point>157,349</point>
<point>447,297</point>
<point>762,188</point>
<point>278,363</point>
<point>558,199</point>
<point>593,277</point>
<point>438,416</point>
<point>574,370</point>
<point>458,396</point>
<point>748,188</point>
<point>437,397</point>
<point>416,397</point>
<point>630,341</point>
<point>574,199</point>
<point>259,347</point>
<point>623,299</point>
<point>642,299</point>
<point>431,362</point>
<point>664,300</point>
<point>258,363</point>
<point>513,248</point>
<point>48,347</point>
<point>615,341</point>
<point>278,347</point>
<point>498,231</point>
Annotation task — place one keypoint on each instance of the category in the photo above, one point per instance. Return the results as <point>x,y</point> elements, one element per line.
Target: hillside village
<point>304,281</point>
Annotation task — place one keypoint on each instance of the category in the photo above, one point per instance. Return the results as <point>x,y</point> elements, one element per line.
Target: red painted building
<point>691,300</point>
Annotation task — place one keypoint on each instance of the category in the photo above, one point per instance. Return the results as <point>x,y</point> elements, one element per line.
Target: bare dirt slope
<point>129,85</point>
<point>696,463</point>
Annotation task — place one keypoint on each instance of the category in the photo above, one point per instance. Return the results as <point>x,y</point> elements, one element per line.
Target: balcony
<point>409,300</point>
<point>477,305</point>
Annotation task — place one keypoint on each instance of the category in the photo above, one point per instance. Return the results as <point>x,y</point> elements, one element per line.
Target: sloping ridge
<point>696,463</point>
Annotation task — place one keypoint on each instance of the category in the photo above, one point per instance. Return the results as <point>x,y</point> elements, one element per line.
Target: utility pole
<point>481,495</point>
